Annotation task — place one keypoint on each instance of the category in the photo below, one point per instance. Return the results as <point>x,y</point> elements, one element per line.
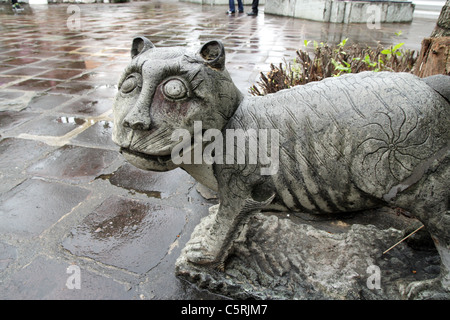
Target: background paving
<point>67,197</point>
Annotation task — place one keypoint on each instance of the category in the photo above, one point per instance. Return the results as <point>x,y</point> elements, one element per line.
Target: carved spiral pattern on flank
<point>396,148</point>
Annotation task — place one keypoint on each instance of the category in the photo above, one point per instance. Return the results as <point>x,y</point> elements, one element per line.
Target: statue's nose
<point>136,124</point>
<point>138,118</point>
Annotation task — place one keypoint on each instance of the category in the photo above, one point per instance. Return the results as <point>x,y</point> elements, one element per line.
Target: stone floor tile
<point>15,100</point>
<point>65,48</point>
<point>5,68</point>
<point>59,74</point>
<point>105,91</point>
<point>42,53</point>
<point>98,135</point>
<point>6,80</point>
<point>37,85</point>
<point>17,154</point>
<point>12,119</point>
<point>154,184</point>
<point>74,164</point>
<point>64,64</point>
<point>46,278</point>
<point>10,95</point>
<point>126,233</point>
<point>54,126</point>
<point>99,78</point>
<point>73,87</point>
<point>35,205</point>
<point>25,71</point>
<point>87,106</point>
<point>47,101</point>
<point>19,61</point>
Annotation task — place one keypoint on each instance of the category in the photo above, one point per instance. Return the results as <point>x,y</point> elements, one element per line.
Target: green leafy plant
<point>340,67</point>
<point>371,64</point>
<point>332,61</point>
<point>393,50</point>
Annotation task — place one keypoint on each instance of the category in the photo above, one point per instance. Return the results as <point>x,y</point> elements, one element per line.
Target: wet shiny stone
<point>67,197</point>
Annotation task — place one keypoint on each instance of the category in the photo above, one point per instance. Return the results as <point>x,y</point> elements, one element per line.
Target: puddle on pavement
<point>127,233</point>
<point>87,106</point>
<point>71,120</point>
<point>52,125</point>
<point>130,216</point>
<point>97,135</point>
<point>73,88</point>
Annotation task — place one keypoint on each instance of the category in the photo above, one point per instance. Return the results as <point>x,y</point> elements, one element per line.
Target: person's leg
<point>232,7</point>
<point>240,6</point>
<point>255,6</point>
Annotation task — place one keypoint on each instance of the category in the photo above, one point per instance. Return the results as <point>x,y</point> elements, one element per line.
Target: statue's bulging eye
<point>130,83</point>
<point>175,89</point>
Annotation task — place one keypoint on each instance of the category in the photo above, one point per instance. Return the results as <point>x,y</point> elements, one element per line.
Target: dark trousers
<point>233,8</point>
<point>255,6</point>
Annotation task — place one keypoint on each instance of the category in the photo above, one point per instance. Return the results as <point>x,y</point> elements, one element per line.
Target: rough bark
<point>442,28</point>
<point>434,57</point>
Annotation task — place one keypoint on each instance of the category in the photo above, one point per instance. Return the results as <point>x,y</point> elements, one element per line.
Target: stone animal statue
<point>344,144</point>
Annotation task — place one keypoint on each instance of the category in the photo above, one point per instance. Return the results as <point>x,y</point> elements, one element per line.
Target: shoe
<point>230,12</point>
<point>241,11</point>
<point>252,13</point>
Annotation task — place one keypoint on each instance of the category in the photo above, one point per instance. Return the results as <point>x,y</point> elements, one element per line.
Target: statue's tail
<point>440,83</point>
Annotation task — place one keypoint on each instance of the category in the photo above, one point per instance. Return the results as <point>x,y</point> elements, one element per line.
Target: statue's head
<point>164,89</point>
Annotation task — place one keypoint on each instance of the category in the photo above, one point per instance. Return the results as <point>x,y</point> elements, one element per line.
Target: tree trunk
<point>442,28</point>
<point>434,57</point>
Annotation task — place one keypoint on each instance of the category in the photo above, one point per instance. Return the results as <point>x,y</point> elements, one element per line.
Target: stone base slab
<point>285,257</point>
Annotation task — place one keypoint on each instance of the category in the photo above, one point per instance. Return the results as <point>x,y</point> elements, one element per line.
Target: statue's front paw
<point>202,250</point>
<point>203,247</point>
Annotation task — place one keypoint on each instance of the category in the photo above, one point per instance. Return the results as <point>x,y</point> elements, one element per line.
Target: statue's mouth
<point>160,159</point>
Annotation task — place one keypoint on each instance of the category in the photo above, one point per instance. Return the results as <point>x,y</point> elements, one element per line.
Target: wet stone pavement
<point>67,197</point>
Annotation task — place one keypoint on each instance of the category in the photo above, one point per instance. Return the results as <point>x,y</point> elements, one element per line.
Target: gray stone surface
<point>74,163</point>
<point>138,231</point>
<point>46,278</point>
<point>27,210</point>
<point>343,144</point>
<point>34,266</point>
<point>284,257</point>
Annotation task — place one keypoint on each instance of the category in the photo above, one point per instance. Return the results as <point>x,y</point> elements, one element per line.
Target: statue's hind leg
<point>438,287</point>
<point>428,200</point>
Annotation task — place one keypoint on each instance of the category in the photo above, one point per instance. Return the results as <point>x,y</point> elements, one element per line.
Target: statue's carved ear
<point>213,53</point>
<point>140,44</point>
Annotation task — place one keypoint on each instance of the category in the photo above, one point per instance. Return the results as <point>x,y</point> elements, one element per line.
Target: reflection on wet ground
<point>121,227</point>
<point>66,194</point>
